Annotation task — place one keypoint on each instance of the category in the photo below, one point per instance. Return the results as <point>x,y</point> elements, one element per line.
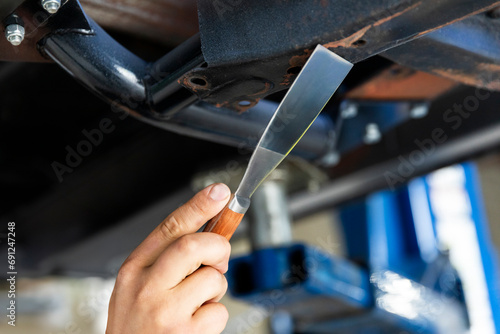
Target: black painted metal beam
<point>467,51</point>
<point>256,48</point>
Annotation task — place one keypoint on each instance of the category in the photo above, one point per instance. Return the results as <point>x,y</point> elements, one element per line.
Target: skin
<point>161,288</point>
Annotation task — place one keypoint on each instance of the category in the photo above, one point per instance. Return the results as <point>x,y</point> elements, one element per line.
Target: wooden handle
<point>225,223</point>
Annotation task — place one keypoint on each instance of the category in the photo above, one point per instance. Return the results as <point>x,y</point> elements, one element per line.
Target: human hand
<point>161,288</point>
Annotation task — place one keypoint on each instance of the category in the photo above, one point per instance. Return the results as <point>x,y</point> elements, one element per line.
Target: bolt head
<point>331,159</point>
<point>349,111</point>
<point>14,34</point>
<point>372,134</point>
<point>419,111</point>
<point>51,6</point>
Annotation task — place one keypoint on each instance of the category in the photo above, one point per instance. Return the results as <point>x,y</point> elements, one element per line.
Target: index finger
<point>185,220</point>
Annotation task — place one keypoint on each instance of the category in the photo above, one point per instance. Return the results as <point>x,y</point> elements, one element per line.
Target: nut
<point>51,6</point>
<point>14,34</point>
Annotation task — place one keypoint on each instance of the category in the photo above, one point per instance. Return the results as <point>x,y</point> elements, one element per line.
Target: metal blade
<point>319,79</point>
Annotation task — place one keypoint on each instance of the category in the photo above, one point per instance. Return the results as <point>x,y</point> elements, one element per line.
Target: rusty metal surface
<point>467,52</point>
<point>254,49</point>
<point>242,31</point>
<point>402,83</point>
<point>166,21</point>
<point>259,47</point>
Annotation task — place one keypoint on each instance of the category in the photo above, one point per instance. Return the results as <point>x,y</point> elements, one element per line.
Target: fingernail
<point>219,192</point>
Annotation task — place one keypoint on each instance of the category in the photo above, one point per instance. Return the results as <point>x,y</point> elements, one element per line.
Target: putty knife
<point>318,80</point>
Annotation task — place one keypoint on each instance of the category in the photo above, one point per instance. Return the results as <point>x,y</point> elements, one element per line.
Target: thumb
<point>197,211</point>
<point>185,220</point>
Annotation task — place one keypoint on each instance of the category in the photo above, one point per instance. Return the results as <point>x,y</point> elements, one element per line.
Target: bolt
<point>349,111</point>
<point>372,134</point>
<point>419,111</point>
<point>14,34</point>
<point>51,6</point>
<point>331,159</point>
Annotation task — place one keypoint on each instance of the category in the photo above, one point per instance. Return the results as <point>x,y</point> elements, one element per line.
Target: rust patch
<point>234,105</point>
<point>242,109</point>
<point>351,40</point>
<point>459,19</point>
<point>186,82</point>
<point>401,83</point>
<point>287,80</point>
<point>267,88</point>
<point>348,41</point>
<point>382,21</point>
<point>295,61</point>
<point>489,67</point>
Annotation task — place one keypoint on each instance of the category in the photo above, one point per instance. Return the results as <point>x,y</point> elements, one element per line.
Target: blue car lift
<point>419,260</point>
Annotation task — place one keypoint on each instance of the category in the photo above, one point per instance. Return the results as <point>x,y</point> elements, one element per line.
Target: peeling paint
<point>456,20</point>
<point>349,41</point>
<point>382,21</point>
<point>267,88</point>
<point>295,61</point>
<point>287,80</point>
<point>299,61</point>
<point>185,81</point>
